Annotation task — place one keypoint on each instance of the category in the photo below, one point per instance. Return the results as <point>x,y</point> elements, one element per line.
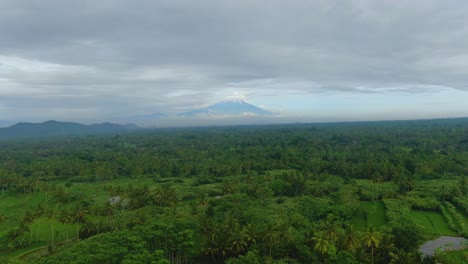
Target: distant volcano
<point>229,108</point>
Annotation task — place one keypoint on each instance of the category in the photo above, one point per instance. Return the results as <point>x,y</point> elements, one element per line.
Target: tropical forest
<point>358,192</point>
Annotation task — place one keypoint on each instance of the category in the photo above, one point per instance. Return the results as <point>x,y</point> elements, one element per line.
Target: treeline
<point>388,151</point>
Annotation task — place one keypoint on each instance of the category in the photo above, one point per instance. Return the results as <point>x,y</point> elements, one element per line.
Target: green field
<point>371,213</point>
<point>13,206</point>
<point>432,223</point>
<point>42,230</point>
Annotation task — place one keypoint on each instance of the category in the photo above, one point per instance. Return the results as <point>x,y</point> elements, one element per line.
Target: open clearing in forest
<point>432,223</point>
<point>371,213</point>
<point>13,207</point>
<point>43,228</point>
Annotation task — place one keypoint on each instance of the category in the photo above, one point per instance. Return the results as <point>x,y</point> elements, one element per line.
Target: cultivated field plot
<point>433,223</point>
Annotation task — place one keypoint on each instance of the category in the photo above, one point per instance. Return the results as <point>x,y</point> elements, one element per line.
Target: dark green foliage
<point>322,193</point>
<point>116,247</point>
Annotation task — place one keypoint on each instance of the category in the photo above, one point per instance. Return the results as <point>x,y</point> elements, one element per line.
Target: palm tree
<point>164,195</point>
<point>212,250</point>
<point>44,186</point>
<point>89,228</point>
<point>331,230</point>
<point>64,217</point>
<point>79,217</point>
<point>250,233</point>
<point>107,209</point>
<point>28,217</point>
<point>60,194</point>
<point>376,180</point>
<point>239,243</point>
<point>270,237</point>
<point>34,183</point>
<point>229,186</point>
<point>50,216</point>
<point>284,235</point>
<point>322,244</point>
<point>385,247</point>
<point>372,240</point>
<point>400,256</point>
<point>463,184</point>
<point>350,240</point>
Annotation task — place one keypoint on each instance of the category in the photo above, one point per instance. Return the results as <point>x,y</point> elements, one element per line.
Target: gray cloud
<point>115,57</point>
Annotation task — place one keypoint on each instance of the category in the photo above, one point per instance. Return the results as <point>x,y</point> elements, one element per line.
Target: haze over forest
<point>305,61</point>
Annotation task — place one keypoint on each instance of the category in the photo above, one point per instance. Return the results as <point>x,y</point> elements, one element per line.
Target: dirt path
<point>443,243</point>
<point>42,251</point>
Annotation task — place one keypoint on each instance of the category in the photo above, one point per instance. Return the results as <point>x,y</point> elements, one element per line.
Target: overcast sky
<point>98,60</point>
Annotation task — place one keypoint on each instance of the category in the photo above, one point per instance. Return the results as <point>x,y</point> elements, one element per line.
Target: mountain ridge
<point>53,128</point>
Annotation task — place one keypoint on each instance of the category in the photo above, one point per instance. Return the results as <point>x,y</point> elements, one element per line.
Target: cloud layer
<point>94,60</point>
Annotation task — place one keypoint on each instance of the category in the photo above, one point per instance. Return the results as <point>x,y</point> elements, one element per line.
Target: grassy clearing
<point>42,230</point>
<point>13,207</point>
<point>432,223</point>
<point>371,213</point>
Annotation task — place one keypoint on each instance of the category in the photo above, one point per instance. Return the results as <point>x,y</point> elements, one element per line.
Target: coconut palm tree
<point>250,233</point>
<point>270,237</point>
<point>239,242</point>
<point>50,216</point>
<point>44,186</point>
<point>78,217</point>
<point>371,239</point>
<point>332,230</point>
<point>385,247</point>
<point>350,239</point>
<point>322,244</point>
<point>400,256</point>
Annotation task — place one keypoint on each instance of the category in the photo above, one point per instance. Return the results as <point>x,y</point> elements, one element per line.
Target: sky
<point>307,61</point>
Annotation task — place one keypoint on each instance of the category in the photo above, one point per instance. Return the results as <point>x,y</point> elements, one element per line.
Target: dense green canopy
<point>367,192</point>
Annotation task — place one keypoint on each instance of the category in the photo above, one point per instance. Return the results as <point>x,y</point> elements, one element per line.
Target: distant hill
<point>228,108</point>
<point>55,129</point>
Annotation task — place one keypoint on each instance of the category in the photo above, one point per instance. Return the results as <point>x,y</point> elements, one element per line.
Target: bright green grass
<point>453,257</point>
<point>376,216</point>
<point>41,230</point>
<point>432,223</point>
<point>371,213</point>
<point>13,207</point>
